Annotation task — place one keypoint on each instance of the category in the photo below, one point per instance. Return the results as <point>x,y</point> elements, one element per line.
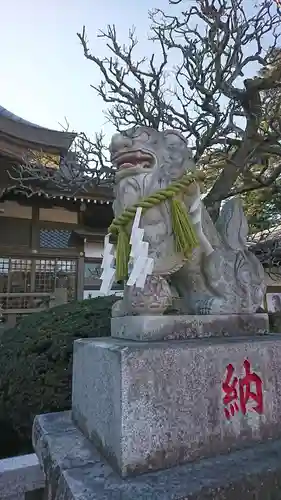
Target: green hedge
<point>36,366</point>
<point>275,322</point>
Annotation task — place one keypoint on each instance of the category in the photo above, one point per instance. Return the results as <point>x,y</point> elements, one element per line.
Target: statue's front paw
<point>153,299</point>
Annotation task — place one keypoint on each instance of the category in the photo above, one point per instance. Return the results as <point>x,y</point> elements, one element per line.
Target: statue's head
<point>147,160</point>
<point>143,150</point>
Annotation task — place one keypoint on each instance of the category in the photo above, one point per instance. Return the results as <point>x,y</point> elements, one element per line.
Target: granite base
<point>153,405</point>
<point>74,470</point>
<point>150,328</point>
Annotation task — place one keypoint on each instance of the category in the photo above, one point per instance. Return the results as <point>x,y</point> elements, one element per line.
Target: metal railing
<point>21,478</point>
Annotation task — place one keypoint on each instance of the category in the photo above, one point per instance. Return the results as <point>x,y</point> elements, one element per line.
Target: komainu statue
<point>220,276</point>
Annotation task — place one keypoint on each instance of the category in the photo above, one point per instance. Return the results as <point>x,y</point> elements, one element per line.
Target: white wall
<point>58,215</point>
<point>93,250</point>
<point>91,294</point>
<point>14,209</point>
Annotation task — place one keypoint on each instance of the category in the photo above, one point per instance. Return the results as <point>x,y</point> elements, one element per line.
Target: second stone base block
<point>75,470</point>
<point>152,405</point>
<point>183,327</point>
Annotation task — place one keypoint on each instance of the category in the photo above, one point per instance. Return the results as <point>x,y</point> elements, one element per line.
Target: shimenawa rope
<point>185,236</point>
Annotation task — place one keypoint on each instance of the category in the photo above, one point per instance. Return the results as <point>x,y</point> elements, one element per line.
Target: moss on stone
<point>36,366</point>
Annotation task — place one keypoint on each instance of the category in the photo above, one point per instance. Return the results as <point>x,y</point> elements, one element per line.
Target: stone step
<point>75,470</point>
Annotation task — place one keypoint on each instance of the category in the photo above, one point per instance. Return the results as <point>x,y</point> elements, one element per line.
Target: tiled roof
<point>25,130</point>
<point>54,238</point>
<point>16,118</point>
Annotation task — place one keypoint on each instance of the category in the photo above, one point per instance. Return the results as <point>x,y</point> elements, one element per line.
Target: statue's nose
<point>119,142</point>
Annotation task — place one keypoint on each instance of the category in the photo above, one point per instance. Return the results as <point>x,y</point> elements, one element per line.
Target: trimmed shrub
<point>36,366</point>
<point>275,322</point>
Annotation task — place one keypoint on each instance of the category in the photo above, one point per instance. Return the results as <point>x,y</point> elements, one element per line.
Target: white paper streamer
<point>142,265</point>
<point>196,218</point>
<point>108,273</point>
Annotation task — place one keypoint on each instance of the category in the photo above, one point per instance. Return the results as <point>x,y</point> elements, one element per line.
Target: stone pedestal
<point>181,415</point>
<point>154,405</point>
<point>183,327</point>
<point>75,470</point>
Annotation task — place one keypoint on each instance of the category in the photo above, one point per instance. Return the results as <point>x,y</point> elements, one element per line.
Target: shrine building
<point>52,241</point>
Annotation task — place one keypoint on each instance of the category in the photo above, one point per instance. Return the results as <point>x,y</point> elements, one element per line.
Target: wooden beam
<point>23,311</point>
<point>80,278</point>
<point>22,252</point>
<point>35,229</point>
<point>9,295</point>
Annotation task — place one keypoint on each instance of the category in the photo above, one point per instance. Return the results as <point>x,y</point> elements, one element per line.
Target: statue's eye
<point>153,141</point>
<point>174,145</point>
<point>174,142</point>
<point>141,136</point>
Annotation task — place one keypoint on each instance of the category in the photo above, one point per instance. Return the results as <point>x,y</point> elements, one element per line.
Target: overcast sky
<point>44,75</point>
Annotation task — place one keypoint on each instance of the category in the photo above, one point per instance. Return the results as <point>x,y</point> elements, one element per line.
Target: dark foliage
<point>275,322</point>
<point>36,366</point>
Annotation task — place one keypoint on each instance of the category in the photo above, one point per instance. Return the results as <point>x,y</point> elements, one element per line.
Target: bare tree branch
<point>85,167</point>
<point>266,246</point>
<point>214,48</point>
<point>141,103</point>
<point>214,74</point>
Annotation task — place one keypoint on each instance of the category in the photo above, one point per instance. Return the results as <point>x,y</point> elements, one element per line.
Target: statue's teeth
<point>126,165</point>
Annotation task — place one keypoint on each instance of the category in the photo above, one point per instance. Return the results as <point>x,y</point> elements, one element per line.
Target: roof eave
<point>42,137</point>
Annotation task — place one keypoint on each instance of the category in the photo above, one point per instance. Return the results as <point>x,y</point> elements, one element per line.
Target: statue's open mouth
<point>133,159</point>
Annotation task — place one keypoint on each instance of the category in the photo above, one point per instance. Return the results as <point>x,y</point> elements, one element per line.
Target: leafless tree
<point>266,244</point>
<point>214,74</point>
<point>210,94</point>
<point>85,166</point>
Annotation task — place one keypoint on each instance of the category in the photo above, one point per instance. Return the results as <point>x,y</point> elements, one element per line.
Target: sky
<point>44,75</point>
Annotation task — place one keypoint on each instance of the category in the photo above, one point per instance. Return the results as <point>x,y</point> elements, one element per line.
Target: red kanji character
<point>245,393</point>
<point>240,391</point>
<point>231,393</point>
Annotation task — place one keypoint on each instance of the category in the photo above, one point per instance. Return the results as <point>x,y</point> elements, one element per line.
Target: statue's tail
<point>232,225</point>
<point>233,228</point>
